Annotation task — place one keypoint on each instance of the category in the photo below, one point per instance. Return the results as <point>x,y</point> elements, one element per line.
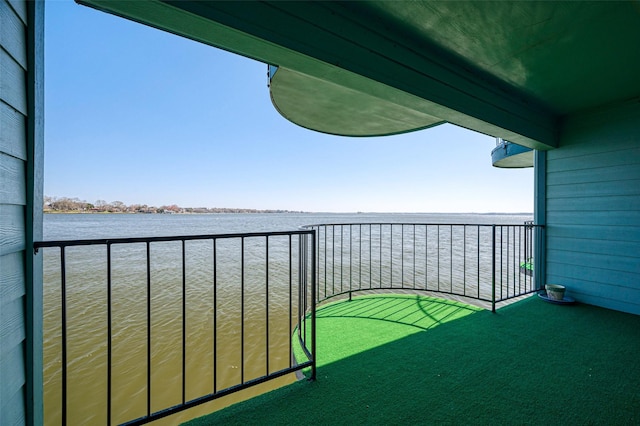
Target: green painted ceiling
<point>567,55</point>
<point>508,69</point>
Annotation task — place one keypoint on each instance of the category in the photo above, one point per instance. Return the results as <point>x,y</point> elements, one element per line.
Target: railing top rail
<point>107,241</point>
<point>421,224</point>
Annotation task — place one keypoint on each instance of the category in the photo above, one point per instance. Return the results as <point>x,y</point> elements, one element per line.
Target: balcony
<point>143,329</point>
<point>510,155</point>
<point>530,363</point>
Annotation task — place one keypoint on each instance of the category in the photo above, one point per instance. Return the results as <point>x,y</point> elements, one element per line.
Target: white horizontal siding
<point>593,208</point>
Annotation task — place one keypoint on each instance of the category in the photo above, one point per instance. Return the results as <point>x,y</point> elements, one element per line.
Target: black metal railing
<point>147,327</point>
<point>246,295</point>
<point>482,262</point>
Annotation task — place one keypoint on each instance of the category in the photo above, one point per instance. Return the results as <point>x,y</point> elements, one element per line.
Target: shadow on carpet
<point>435,361</point>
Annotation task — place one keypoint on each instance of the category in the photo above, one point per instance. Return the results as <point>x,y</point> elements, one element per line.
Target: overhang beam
<point>338,40</point>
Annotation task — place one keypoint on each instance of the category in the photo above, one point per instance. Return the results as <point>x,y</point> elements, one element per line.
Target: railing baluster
<point>464,260</point>
<point>493,267</point>
<point>109,335</point>
<point>350,258</point>
<point>451,257</point>
<point>242,277</point>
<point>478,249</point>
<point>148,328</point>
<point>516,262</point>
<point>63,320</point>
<point>290,303</point>
<point>501,262</point>
<point>511,282</point>
<point>302,308</point>
<point>414,256</point>
<point>380,264</point>
<point>313,317</point>
<point>325,261</point>
<point>370,259</point>
<point>266,298</point>
<point>215,314</point>
<point>426,257</point>
<point>333,257</point>
<point>402,256</point>
<point>391,253</point>
<point>438,253</point>
<point>360,256</point>
<point>184,323</point>
<point>341,255</point>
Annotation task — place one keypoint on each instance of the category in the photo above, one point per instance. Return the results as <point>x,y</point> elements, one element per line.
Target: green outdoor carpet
<point>390,359</point>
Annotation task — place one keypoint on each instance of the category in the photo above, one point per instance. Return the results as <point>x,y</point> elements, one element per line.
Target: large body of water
<point>86,309</point>
<point>84,226</point>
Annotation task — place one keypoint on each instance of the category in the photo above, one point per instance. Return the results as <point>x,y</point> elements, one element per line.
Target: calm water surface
<point>87,312</point>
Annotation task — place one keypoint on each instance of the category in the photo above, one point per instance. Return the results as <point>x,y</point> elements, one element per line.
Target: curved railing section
<point>481,262</point>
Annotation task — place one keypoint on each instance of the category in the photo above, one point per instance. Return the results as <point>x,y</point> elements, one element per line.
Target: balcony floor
<point>411,360</point>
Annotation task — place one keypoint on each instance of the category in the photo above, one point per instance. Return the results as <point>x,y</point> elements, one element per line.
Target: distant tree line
<point>75,205</point>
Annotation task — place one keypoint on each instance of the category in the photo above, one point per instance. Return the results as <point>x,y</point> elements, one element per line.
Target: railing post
<point>313,307</point>
<point>493,268</point>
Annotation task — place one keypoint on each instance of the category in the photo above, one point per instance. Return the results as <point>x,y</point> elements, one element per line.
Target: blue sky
<point>141,116</point>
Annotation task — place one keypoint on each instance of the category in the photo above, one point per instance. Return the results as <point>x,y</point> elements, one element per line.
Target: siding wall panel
<point>12,330</point>
<point>12,34</point>
<point>12,267</point>
<point>595,293</point>
<point>13,127</point>
<point>579,256</point>
<point>577,280</point>
<point>592,189</point>
<point>595,246</point>
<point>12,83</point>
<point>595,203</point>
<point>597,174</point>
<point>615,158</point>
<point>562,218</point>
<point>12,380</point>
<point>20,7</point>
<point>612,233</point>
<point>13,201</point>
<point>593,208</point>
<point>13,183</point>
<point>13,412</point>
<point>12,238</point>
<point>586,150</point>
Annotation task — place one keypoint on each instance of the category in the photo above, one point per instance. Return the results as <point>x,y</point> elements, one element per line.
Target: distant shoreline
<point>218,211</point>
<point>250,211</point>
